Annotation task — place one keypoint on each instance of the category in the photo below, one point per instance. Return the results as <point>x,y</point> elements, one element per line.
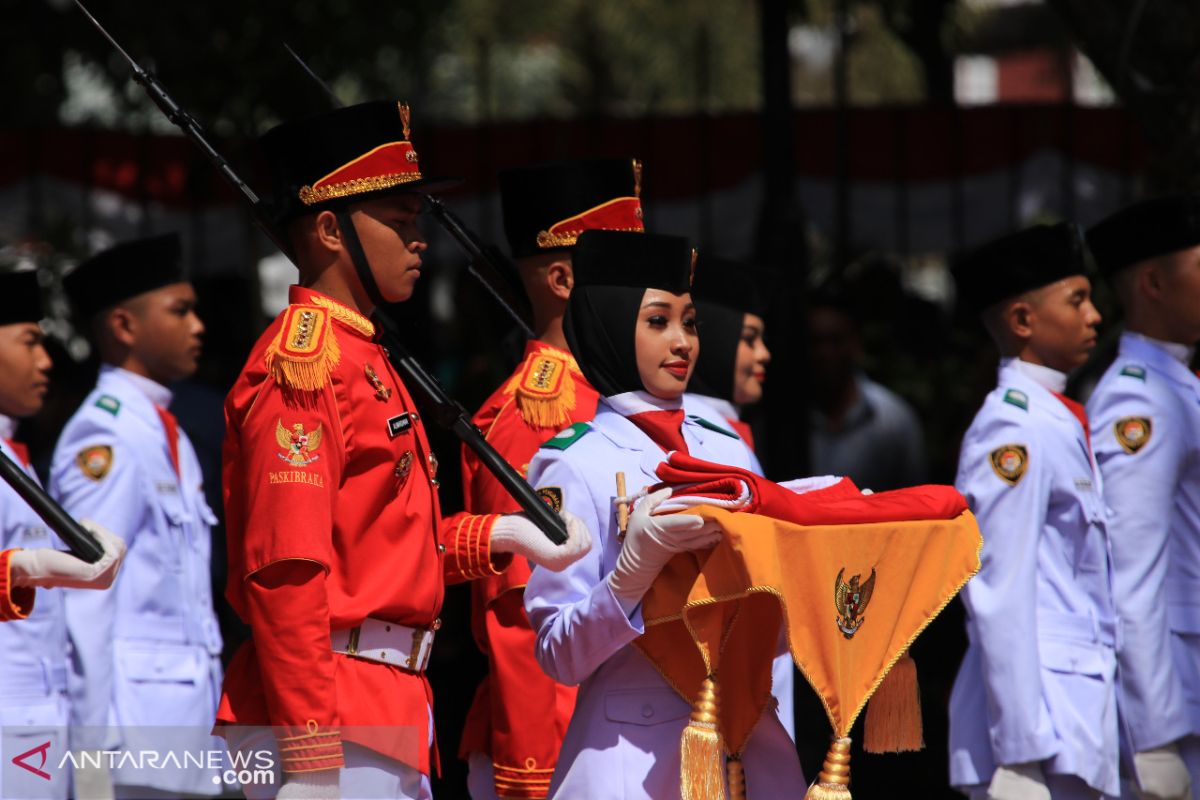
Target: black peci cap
<point>1017,263</point>
<point>348,154</point>
<point>124,271</point>
<point>547,206</point>
<point>1145,230</point>
<point>20,298</point>
<point>635,260</point>
<point>736,286</point>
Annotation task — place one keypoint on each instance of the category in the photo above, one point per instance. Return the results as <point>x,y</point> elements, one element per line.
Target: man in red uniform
<point>517,721</point>
<point>337,548</point>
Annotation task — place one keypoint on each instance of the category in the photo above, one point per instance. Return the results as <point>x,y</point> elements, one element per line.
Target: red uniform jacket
<point>333,517</point>
<point>519,715</point>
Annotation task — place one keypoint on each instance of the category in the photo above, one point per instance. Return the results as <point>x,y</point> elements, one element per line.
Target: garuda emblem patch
<point>850,600</point>
<point>298,446</point>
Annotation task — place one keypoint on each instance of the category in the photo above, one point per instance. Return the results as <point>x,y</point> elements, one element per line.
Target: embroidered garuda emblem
<point>298,445</point>
<point>851,601</point>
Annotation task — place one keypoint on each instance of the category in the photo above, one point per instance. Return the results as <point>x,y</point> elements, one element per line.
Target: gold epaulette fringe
<point>544,390</point>
<point>306,352</point>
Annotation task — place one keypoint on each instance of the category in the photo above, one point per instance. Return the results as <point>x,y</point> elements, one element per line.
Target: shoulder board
<point>544,390</point>
<point>1017,398</point>
<point>712,426</point>
<point>305,353</point>
<point>1134,371</point>
<point>567,436</point>
<point>108,403</point>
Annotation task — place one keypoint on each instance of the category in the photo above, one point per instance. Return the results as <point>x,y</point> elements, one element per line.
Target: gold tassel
<point>833,781</point>
<point>309,373</point>
<point>893,723</point>
<point>543,409</point>
<point>700,773</point>
<point>737,778</point>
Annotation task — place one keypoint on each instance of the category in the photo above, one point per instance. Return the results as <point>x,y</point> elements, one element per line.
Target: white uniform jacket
<point>1145,417</point>
<point>623,740</point>
<point>1037,681</point>
<point>33,658</point>
<point>146,653</point>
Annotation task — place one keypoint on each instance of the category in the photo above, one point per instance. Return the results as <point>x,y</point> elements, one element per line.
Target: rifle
<point>80,541</point>
<point>438,405</point>
<point>479,253</point>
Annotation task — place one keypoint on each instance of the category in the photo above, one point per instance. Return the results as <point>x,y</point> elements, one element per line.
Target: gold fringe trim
<point>332,191</point>
<point>539,405</point>
<point>351,319</point>
<point>893,722</point>
<point>309,373</point>
<point>700,750</point>
<point>833,781</point>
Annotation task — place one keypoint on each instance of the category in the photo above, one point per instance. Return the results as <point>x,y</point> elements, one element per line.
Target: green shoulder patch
<point>703,423</point>
<point>567,436</point>
<point>1134,371</point>
<point>109,403</point>
<point>1016,398</point>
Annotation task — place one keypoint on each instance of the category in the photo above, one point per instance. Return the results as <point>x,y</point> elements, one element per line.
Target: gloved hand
<point>1161,774</point>
<point>1019,782</point>
<point>92,780</point>
<point>47,568</point>
<point>650,542</point>
<point>323,785</point>
<point>515,533</point>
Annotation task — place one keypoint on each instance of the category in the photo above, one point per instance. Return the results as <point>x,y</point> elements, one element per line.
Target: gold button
<point>437,623</point>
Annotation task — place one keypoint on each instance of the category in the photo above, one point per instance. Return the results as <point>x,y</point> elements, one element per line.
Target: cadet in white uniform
<point>33,640</point>
<point>147,653</point>
<point>637,346</point>
<point>1145,417</point>
<point>1033,710</point>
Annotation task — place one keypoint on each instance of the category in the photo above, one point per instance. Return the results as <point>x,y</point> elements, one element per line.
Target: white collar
<point>155,391</point>
<point>1180,352</point>
<point>8,427</point>
<point>723,407</point>
<point>1047,378</point>
<point>629,403</point>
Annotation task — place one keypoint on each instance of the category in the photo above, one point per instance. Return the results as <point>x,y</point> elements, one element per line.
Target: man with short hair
<point>1145,416</point>
<point>1033,710</point>
<point>146,669</point>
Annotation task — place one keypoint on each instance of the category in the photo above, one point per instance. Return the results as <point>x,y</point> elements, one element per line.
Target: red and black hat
<point>342,156</point>
<point>124,271</point>
<point>547,206</point>
<point>1017,263</point>
<point>20,298</point>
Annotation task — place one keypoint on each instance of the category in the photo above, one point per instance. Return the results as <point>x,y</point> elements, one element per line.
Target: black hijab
<point>725,292</point>
<point>613,270</point>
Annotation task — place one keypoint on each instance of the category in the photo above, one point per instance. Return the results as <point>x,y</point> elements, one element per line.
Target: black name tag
<point>399,424</point>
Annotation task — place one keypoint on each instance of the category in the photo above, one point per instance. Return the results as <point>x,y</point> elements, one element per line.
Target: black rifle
<point>481,255</point>
<point>441,407</point>
<point>83,545</point>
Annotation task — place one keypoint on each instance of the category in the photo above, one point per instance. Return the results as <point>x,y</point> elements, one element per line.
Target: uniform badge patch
<point>551,496</point>
<point>567,436</point>
<point>298,445</point>
<point>1134,371</point>
<point>403,467</point>
<point>850,600</point>
<point>109,403</point>
<point>1009,462</point>
<point>95,462</point>
<point>399,424</point>
<point>1016,398</point>
<point>382,392</point>
<point>1133,433</point>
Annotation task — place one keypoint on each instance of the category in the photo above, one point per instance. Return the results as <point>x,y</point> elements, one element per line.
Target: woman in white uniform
<point>632,326</point>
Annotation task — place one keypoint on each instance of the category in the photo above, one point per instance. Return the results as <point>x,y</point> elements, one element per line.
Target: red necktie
<point>665,428</point>
<point>1080,414</point>
<point>21,450</point>
<point>172,429</point>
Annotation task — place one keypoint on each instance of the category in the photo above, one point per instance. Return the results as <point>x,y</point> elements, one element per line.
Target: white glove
<point>1018,782</point>
<point>515,533</point>
<point>92,781</point>
<point>650,542</point>
<point>47,568</point>
<point>1161,774</point>
<point>323,785</point>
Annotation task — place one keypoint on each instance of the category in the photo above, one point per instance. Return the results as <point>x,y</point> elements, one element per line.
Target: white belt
<point>387,643</point>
